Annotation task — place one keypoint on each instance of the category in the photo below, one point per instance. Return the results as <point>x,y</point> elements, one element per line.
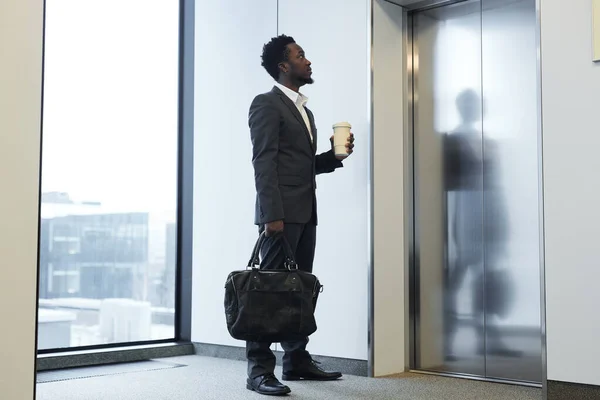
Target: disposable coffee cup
<point>341,133</point>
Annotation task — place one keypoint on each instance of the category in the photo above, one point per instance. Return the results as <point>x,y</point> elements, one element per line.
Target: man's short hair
<point>274,53</point>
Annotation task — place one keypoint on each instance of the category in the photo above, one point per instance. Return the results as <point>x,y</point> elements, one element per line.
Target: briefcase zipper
<point>316,288</point>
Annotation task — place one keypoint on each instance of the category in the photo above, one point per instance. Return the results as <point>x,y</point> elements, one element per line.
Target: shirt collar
<point>295,97</point>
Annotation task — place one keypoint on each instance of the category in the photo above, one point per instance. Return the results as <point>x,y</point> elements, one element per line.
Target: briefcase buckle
<point>290,264</point>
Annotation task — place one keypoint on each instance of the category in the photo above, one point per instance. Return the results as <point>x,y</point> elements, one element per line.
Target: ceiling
<point>403,2</point>
<point>416,4</point>
<point>430,4</point>
<point>474,6</point>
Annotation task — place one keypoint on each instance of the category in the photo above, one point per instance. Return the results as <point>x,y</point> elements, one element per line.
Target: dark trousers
<point>302,240</point>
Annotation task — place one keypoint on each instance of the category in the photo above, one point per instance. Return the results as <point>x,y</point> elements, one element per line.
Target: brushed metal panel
<point>449,191</point>
<point>429,204</point>
<point>513,342</point>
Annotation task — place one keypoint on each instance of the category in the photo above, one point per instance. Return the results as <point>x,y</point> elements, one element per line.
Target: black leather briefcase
<point>271,305</point>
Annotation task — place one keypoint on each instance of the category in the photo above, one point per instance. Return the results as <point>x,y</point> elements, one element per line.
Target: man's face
<point>297,67</point>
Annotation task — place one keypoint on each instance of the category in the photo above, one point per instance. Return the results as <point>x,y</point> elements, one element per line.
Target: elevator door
<point>477,242</point>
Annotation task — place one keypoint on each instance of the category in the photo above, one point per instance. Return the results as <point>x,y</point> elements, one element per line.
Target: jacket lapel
<point>294,110</point>
<point>313,128</point>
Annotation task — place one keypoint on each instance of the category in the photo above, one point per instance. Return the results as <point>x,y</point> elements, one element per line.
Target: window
<point>109,173</point>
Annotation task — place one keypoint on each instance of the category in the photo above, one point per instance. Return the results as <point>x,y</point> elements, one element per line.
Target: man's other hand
<point>273,228</point>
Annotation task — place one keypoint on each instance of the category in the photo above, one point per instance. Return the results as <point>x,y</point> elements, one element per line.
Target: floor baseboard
<point>50,362</point>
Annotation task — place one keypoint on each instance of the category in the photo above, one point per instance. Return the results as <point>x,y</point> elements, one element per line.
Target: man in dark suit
<point>284,145</point>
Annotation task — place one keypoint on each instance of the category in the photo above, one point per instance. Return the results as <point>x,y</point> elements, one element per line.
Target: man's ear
<point>283,67</point>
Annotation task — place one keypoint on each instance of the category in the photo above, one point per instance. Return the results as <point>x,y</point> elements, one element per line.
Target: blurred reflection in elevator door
<point>477,238</point>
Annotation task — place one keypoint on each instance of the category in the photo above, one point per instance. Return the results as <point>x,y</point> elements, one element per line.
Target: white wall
<point>337,47</point>
<point>228,74</point>
<point>389,165</point>
<point>21,23</point>
<point>571,138</point>
<point>229,42</point>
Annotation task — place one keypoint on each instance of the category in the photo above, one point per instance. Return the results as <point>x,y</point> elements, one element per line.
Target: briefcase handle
<point>289,263</point>
<point>254,258</point>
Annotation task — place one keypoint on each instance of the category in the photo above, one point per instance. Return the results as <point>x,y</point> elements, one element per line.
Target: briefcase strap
<point>254,258</point>
<point>289,263</point>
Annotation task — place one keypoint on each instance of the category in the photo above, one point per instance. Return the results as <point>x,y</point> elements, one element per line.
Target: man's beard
<point>307,81</point>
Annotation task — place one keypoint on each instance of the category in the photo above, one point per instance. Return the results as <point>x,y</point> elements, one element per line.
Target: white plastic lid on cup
<point>342,125</point>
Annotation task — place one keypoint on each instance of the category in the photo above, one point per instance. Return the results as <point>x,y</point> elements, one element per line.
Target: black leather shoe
<point>267,384</point>
<point>310,371</point>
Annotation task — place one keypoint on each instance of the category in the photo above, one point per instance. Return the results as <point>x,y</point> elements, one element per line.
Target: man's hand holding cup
<point>342,141</point>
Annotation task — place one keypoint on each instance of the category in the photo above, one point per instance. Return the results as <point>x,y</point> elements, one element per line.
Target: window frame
<point>181,343</point>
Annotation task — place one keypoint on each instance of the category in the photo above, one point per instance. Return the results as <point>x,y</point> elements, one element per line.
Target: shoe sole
<point>297,378</point>
<point>251,388</point>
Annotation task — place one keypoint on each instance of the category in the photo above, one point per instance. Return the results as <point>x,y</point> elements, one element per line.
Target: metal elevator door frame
<point>415,256</point>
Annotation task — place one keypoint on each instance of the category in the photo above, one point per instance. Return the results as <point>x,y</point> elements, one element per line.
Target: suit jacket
<point>285,160</point>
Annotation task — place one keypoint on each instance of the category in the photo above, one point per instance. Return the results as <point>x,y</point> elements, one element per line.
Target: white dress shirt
<point>300,101</point>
